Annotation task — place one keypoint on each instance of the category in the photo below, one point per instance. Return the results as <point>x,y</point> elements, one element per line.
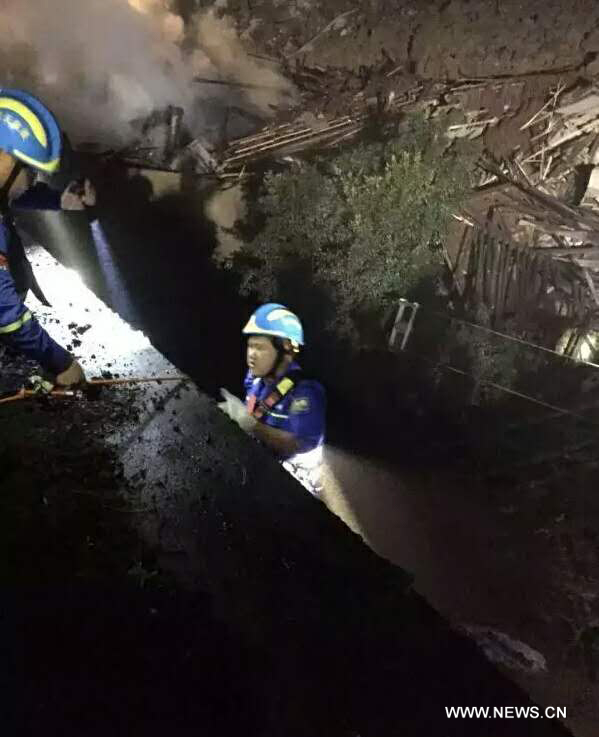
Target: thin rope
<point>507,390</point>
<point>513,338</point>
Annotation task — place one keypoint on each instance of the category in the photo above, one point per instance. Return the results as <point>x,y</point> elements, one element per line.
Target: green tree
<point>363,227</point>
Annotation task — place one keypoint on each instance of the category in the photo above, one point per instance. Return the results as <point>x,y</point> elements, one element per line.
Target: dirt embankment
<point>443,39</point>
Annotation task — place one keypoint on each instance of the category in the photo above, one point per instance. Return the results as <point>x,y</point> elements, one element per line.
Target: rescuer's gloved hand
<point>78,195</point>
<point>234,408</point>
<point>90,195</point>
<point>73,375</point>
<point>40,385</point>
<point>72,197</point>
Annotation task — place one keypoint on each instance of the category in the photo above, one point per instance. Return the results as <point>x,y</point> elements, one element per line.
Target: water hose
<point>65,393</point>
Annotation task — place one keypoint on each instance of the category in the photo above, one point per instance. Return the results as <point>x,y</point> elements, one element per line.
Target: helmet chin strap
<point>281,353</point>
<point>6,187</point>
<point>5,213</point>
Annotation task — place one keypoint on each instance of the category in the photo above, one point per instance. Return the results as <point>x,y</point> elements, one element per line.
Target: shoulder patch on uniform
<point>299,406</point>
<point>3,262</point>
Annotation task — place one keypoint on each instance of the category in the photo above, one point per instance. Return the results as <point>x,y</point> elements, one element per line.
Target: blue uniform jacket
<point>18,327</point>
<point>301,411</point>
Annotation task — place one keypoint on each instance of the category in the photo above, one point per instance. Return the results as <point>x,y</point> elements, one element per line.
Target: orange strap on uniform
<point>260,407</point>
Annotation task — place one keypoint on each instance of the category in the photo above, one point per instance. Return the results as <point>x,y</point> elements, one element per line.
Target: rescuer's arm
<point>307,415</point>
<point>284,443</point>
<point>80,195</point>
<point>38,197</point>
<point>77,196</point>
<point>20,329</point>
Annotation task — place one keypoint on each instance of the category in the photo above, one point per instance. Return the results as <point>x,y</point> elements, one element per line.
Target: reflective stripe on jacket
<point>16,325</point>
<point>18,328</point>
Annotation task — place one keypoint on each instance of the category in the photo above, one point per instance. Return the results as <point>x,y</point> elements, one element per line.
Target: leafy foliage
<point>363,227</point>
<point>490,358</point>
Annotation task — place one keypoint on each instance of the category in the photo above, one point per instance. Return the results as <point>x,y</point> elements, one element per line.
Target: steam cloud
<point>101,63</point>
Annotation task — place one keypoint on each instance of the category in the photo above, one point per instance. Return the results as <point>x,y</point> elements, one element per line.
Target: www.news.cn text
<point>505,712</point>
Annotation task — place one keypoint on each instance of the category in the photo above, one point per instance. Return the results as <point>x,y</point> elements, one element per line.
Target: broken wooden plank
<point>587,263</point>
<point>574,251</point>
<point>337,23</point>
<point>307,137</point>
<point>592,287</point>
<point>585,105</point>
<point>454,267</point>
<point>552,101</point>
<point>474,124</point>
<point>496,276</point>
<point>583,130</point>
<point>511,277</point>
<point>482,260</point>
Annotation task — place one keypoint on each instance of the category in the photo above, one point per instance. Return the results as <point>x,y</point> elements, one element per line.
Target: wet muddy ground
<point>223,600</point>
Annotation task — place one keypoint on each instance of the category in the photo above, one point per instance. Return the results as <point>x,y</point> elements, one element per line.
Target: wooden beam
<point>592,287</point>
<point>575,251</point>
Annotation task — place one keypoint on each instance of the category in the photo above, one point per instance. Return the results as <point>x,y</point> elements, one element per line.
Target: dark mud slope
<point>207,595</point>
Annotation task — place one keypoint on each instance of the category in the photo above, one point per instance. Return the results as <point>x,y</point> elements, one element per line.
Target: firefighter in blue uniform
<point>30,141</point>
<point>283,409</point>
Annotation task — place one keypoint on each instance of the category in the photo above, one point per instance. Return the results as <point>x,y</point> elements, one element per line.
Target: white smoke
<point>101,63</point>
<point>220,52</point>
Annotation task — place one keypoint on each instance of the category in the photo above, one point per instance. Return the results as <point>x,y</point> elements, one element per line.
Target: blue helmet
<point>29,131</point>
<point>276,321</point>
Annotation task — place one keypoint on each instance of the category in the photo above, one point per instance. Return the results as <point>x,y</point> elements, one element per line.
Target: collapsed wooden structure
<point>523,253</point>
<point>527,245</point>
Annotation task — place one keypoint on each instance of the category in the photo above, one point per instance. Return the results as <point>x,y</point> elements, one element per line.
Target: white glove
<point>40,385</point>
<point>72,375</point>
<point>234,408</point>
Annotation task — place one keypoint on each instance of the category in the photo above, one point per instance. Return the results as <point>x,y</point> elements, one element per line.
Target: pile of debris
<point>334,106</point>
<point>163,144</point>
<point>469,108</point>
<point>529,241</point>
<point>355,100</point>
<point>564,136</point>
<point>496,261</point>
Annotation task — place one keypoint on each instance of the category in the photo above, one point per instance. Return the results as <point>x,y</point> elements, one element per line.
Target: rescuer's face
<point>261,355</point>
<point>21,183</point>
